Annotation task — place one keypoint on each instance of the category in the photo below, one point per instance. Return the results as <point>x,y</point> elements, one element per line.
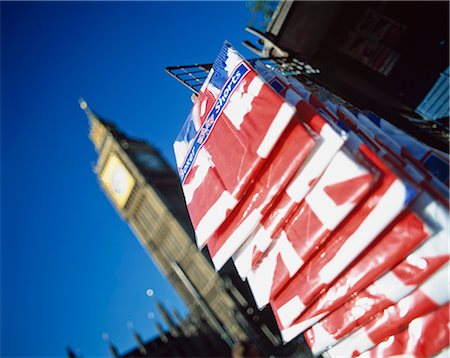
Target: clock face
<point>117,180</point>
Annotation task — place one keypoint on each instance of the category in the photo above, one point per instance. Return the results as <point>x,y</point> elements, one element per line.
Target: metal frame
<point>193,76</point>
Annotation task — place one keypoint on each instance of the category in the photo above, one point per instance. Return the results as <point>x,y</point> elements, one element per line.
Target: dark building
<point>147,194</point>
<point>188,337</point>
<point>383,56</point>
<point>397,47</point>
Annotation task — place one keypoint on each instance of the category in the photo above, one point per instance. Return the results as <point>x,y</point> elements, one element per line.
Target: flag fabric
<point>434,160</point>
<point>335,217</point>
<point>245,121</point>
<point>336,193</point>
<point>420,223</point>
<point>384,292</point>
<point>403,151</point>
<point>426,336</point>
<point>384,204</point>
<point>328,143</point>
<point>293,148</point>
<point>427,298</point>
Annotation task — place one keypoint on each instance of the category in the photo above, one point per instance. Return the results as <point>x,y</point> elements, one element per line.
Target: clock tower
<point>147,194</point>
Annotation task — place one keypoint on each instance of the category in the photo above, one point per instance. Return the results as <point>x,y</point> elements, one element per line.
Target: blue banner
<point>205,130</point>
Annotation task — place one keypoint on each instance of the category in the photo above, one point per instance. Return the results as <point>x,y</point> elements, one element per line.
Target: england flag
<point>418,229</point>
<point>426,336</point>
<point>346,243</point>
<point>431,295</point>
<point>244,122</point>
<point>343,185</point>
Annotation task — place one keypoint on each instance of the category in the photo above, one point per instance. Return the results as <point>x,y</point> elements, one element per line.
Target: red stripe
<point>393,318</point>
<point>349,191</point>
<point>310,116</point>
<point>292,149</point>
<point>306,284</point>
<point>202,199</point>
<point>397,241</point>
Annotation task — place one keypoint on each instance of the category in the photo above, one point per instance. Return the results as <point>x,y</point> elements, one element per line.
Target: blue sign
<point>205,130</point>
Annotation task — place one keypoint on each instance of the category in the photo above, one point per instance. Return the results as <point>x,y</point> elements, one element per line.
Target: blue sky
<point>70,268</point>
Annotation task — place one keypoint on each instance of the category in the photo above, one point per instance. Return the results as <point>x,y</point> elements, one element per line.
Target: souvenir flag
<point>390,248</point>
<point>385,291</point>
<point>287,156</point>
<point>426,336</point>
<point>343,185</point>
<point>328,143</point>
<point>431,295</point>
<point>346,243</point>
<point>435,161</point>
<point>245,122</point>
<point>379,138</point>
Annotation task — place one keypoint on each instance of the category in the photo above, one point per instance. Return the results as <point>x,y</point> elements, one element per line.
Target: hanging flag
<point>245,122</point>
<point>346,243</point>
<point>431,295</point>
<point>404,151</point>
<point>328,143</point>
<point>385,291</point>
<point>426,336</point>
<point>343,185</point>
<point>293,148</point>
<point>435,161</point>
<point>390,248</point>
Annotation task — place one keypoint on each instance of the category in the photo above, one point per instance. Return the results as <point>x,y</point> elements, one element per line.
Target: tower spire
<point>97,127</point>
<point>168,319</point>
<point>111,347</point>
<point>87,110</point>
<point>137,337</point>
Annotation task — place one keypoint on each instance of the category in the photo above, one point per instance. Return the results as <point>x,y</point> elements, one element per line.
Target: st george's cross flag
<point>425,336</point>
<point>429,296</point>
<point>358,231</point>
<point>344,184</point>
<point>417,232</point>
<point>244,120</point>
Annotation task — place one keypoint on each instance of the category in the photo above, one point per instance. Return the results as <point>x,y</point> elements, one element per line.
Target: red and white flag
<point>431,295</point>
<point>291,151</point>
<point>346,243</point>
<point>245,122</point>
<point>390,248</point>
<point>426,336</point>
<point>328,143</point>
<point>343,185</point>
<point>385,291</point>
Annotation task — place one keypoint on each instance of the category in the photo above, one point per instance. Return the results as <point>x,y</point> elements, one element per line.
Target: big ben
<point>146,193</point>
